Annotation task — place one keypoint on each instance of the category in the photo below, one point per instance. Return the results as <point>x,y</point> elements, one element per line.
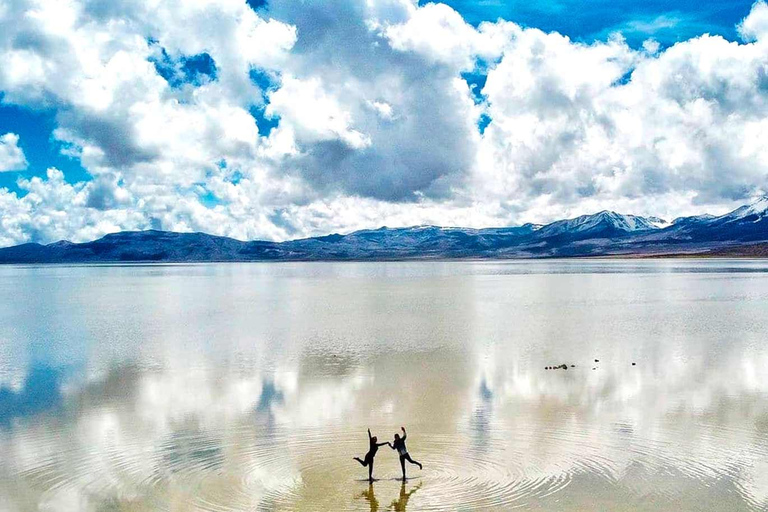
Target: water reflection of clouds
<point>40,391</point>
<point>701,423</point>
<point>128,427</point>
<point>125,431</point>
<point>251,397</point>
<point>149,425</point>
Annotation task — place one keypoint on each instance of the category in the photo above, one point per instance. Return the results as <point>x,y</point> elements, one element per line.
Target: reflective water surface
<point>250,387</point>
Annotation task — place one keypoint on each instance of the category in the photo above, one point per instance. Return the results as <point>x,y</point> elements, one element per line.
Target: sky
<point>282,119</point>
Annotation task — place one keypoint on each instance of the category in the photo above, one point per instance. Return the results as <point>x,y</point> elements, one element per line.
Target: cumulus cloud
<point>442,35</point>
<point>11,155</point>
<point>603,123</point>
<point>300,120</point>
<point>52,209</point>
<point>755,26</point>
<point>315,115</point>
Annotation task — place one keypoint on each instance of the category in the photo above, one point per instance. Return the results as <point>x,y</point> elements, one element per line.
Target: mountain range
<point>742,232</point>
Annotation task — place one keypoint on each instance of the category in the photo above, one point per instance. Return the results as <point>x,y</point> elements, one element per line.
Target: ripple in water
<point>252,467</point>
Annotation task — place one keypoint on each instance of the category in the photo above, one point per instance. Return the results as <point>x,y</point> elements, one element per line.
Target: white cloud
<point>375,124</point>
<point>570,124</point>
<point>651,46</point>
<point>313,114</point>
<point>11,155</point>
<point>441,34</point>
<point>755,26</point>
<point>54,210</point>
<point>383,108</point>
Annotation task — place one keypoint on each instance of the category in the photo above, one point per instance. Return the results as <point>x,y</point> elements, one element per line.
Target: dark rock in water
<point>573,366</point>
<point>564,366</point>
<point>597,360</point>
<point>594,368</point>
<point>633,364</point>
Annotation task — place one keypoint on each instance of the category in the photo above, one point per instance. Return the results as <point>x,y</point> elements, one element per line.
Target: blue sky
<point>666,21</point>
<point>278,119</point>
<point>35,128</point>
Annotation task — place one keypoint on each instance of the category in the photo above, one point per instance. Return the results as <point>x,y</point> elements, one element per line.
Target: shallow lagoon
<point>249,387</point>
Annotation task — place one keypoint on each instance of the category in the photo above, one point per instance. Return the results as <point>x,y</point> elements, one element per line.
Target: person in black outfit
<point>373,447</point>
<point>399,445</point>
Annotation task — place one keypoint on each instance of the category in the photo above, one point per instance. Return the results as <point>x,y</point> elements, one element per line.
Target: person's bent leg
<point>362,463</point>
<point>409,459</point>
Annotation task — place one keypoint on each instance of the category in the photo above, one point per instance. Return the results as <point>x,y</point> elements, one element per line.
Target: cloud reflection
<point>187,421</point>
<point>40,391</point>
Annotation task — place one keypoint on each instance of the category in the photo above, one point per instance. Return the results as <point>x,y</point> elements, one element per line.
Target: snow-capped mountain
<point>755,212</point>
<point>742,225</point>
<point>692,219</point>
<point>603,233</point>
<point>604,222</point>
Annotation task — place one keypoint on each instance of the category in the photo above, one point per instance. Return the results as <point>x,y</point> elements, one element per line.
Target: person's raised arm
<point>369,434</point>
<point>404,434</point>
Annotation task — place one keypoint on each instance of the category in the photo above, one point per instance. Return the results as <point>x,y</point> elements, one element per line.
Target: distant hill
<point>740,251</point>
<point>742,232</point>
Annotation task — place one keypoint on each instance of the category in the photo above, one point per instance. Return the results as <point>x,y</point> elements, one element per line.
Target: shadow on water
<point>270,395</point>
<point>41,391</point>
<point>398,505</point>
<point>401,503</point>
<point>370,497</point>
<point>480,422</point>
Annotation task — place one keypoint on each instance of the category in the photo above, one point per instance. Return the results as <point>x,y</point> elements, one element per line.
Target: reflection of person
<point>399,445</point>
<point>371,498</point>
<point>373,447</point>
<point>399,505</point>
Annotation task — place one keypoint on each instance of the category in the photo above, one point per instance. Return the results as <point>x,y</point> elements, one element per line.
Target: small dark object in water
<point>597,360</point>
<point>633,364</point>
<point>594,368</point>
<point>564,366</point>
<point>574,366</point>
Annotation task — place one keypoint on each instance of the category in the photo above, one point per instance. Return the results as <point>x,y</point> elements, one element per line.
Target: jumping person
<point>373,447</point>
<point>399,445</point>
